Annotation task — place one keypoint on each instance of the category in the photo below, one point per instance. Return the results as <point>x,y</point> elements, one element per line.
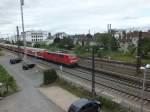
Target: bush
<point>1,53</point>
<point>37,45</point>
<point>50,76</point>
<point>100,53</point>
<point>131,49</point>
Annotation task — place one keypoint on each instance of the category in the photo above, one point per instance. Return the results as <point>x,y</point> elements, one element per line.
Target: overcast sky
<point>74,16</point>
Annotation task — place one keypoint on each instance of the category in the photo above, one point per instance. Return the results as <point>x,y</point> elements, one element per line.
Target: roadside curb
<point>1,98</point>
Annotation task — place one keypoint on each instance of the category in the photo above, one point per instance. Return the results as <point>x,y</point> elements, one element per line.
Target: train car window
<point>55,54</point>
<point>60,55</point>
<point>49,53</point>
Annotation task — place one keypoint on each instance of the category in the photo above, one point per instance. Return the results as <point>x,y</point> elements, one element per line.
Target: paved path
<point>29,99</point>
<point>59,96</point>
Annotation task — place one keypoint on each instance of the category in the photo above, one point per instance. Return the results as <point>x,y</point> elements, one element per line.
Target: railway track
<point>128,88</point>
<point>121,85</point>
<point>118,69</point>
<point>111,61</point>
<point>129,79</point>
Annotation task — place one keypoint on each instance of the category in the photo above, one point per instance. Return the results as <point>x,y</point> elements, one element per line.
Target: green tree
<point>7,42</point>
<point>12,42</point>
<point>37,45</point>
<point>124,33</point>
<point>132,49</point>
<point>107,41</point>
<point>89,36</point>
<point>57,40</point>
<point>145,46</point>
<point>98,37</point>
<point>100,53</point>
<point>20,43</point>
<point>66,42</point>
<point>114,44</point>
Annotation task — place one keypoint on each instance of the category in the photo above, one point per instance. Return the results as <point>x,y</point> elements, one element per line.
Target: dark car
<point>15,60</point>
<point>27,65</point>
<point>85,105</point>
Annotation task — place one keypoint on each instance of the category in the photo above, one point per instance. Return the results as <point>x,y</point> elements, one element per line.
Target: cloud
<point>74,16</point>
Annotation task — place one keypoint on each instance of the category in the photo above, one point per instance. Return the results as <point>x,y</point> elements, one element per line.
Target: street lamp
<point>143,87</point>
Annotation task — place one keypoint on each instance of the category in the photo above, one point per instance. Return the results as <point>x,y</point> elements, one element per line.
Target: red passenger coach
<point>36,52</point>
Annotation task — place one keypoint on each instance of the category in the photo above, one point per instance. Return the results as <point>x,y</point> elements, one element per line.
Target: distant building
<point>118,33</point>
<point>82,39</point>
<point>50,36</point>
<point>36,36</point>
<point>131,38</point>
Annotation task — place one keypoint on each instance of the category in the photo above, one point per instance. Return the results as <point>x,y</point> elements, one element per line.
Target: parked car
<point>15,60</point>
<point>27,65</point>
<point>85,105</point>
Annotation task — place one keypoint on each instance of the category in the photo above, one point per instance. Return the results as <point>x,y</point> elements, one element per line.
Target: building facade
<point>36,36</point>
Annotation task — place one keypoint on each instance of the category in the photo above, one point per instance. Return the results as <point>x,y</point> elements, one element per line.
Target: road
<point>29,99</point>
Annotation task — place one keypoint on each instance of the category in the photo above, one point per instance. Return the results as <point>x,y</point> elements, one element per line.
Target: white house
<point>36,36</point>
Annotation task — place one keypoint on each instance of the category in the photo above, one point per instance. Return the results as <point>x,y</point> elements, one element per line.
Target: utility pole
<point>138,65</point>
<point>93,72</point>
<point>92,44</point>
<point>109,28</point>
<point>18,40</point>
<point>109,35</point>
<point>23,33</point>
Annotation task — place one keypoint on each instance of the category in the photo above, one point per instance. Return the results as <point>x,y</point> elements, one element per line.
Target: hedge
<point>50,76</point>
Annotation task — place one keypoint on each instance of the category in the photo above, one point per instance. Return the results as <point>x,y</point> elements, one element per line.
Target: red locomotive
<point>57,57</point>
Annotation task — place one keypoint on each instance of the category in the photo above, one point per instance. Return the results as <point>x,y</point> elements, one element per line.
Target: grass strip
<point>8,83</point>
